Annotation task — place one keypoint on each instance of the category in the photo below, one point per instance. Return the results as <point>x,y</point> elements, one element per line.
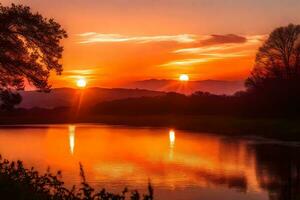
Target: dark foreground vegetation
<point>19,183</point>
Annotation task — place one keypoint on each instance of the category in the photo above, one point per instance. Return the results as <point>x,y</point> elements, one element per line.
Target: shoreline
<point>274,128</point>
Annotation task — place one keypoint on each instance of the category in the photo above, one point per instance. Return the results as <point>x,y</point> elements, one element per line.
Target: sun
<point>184,77</point>
<point>81,83</point>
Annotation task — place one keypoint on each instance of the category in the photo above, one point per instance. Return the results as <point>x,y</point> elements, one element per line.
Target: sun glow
<point>81,83</point>
<point>184,77</point>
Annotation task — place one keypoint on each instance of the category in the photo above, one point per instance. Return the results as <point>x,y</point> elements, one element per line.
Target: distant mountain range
<point>211,86</point>
<point>66,97</point>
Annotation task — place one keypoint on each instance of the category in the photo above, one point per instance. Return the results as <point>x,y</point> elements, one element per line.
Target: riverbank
<point>277,128</point>
<point>20,183</point>
<point>283,129</point>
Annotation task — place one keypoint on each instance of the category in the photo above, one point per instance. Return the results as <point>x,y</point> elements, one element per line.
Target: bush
<point>19,183</point>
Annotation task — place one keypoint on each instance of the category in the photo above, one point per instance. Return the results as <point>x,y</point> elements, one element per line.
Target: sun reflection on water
<point>118,156</point>
<point>172,143</point>
<point>72,129</point>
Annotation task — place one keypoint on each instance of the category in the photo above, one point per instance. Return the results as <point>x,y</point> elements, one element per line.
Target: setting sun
<point>81,83</point>
<point>184,77</point>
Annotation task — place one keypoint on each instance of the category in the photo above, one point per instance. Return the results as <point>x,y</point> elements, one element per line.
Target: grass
<point>19,183</point>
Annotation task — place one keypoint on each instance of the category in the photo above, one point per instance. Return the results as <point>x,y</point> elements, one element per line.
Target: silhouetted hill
<point>65,97</point>
<point>211,86</point>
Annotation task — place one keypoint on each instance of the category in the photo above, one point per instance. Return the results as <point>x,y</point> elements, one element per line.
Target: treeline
<point>200,103</point>
<point>242,104</point>
<point>18,182</point>
<point>171,103</point>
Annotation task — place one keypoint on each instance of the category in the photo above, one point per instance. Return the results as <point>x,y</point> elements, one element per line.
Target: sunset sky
<point>112,42</point>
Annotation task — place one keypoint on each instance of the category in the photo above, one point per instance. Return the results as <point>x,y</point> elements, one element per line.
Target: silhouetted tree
<point>278,59</point>
<point>275,79</point>
<point>29,49</point>
<point>9,99</point>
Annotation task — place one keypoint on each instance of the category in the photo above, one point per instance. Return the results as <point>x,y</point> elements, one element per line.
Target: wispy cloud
<point>209,53</point>
<point>80,73</point>
<point>93,37</point>
<point>189,49</point>
<point>204,49</point>
<point>257,38</point>
<point>207,57</point>
<point>185,62</point>
<point>216,48</point>
<point>222,39</point>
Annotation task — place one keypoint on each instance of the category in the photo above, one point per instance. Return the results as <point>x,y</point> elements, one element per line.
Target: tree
<point>29,50</point>
<point>278,60</point>
<point>274,84</point>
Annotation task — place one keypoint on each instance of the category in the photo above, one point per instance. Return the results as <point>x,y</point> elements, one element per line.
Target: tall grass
<point>20,183</point>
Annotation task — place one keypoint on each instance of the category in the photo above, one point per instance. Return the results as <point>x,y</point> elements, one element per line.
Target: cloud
<point>223,48</point>
<point>221,39</point>
<point>79,73</point>
<point>93,37</point>
<point>206,57</point>
<point>203,49</point>
<point>186,49</point>
<point>185,62</point>
<point>217,47</point>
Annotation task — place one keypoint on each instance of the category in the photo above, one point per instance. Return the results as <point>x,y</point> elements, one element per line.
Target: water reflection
<point>278,171</point>
<point>172,143</point>
<point>198,166</point>
<point>72,129</point>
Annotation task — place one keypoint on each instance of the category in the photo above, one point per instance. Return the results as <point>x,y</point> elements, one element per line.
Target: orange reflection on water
<point>115,157</point>
<point>172,143</point>
<point>72,138</point>
<point>172,138</point>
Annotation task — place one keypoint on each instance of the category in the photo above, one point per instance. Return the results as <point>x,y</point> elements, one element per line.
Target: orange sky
<point>117,41</point>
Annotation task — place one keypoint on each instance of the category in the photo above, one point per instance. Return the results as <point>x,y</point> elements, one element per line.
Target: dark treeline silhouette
<point>18,182</point>
<point>173,103</point>
<point>242,104</point>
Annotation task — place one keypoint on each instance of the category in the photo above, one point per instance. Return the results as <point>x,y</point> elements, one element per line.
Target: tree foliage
<point>277,61</point>
<point>274,84</point>
<point>29,49</point>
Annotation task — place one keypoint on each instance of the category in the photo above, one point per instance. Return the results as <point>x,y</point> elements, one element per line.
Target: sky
<point>113,42</point>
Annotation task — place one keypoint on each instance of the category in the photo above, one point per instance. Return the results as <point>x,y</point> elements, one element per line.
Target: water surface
<point>181,165</point>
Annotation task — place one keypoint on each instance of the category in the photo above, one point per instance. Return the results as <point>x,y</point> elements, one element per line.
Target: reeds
<point>20,183</point>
